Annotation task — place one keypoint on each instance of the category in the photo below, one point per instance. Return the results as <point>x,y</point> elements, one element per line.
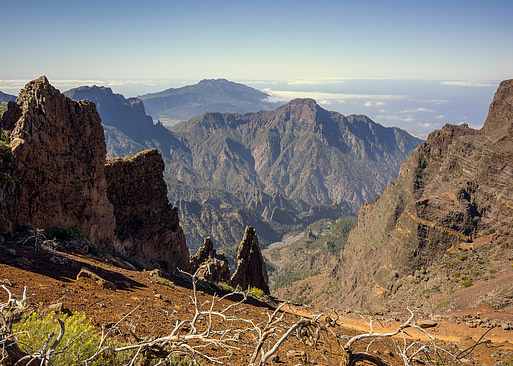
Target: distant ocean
<point>418,106</point>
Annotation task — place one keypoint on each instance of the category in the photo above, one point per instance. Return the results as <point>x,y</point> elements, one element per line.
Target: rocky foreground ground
<point>149,305</point>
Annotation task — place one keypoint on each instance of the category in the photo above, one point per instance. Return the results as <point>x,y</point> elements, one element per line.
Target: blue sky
<point>412,64</point>
<point>257,39</point>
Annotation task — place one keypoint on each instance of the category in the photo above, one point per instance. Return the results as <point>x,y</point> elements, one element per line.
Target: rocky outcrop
<point>251,270</point>
<point>499,122</point>
<point>455,188</point>
<point>54,174</point>
<point>209,265</point>
<point>147,225</point>
<point>57,165</point>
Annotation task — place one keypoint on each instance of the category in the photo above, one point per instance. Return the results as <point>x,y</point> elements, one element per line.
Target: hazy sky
<point>257,40</point>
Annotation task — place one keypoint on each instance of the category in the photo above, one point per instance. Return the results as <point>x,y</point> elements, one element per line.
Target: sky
<point>139,46</point>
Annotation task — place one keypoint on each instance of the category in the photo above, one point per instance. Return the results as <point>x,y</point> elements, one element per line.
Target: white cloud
<point>425,124</point>
<point>417,110</point>
<point>471,83</point>
<point>370,103</point>
<point>440,116</point>
<point>331,98</point>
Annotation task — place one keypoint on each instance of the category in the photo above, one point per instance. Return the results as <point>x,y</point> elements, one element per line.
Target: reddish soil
<point>155,307</point>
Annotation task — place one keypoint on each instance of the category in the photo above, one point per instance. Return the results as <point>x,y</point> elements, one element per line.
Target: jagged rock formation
<point>215,95</point>
<point>455,188</point>
<point>54,174</point>
<point>212,267</point>
<point>251,270</point>
<point>147,225</point>
<point>57,164</point>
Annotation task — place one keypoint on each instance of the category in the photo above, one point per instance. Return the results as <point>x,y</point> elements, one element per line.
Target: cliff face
<point>455,188</point>
<point>146,224</point>
<point>54,174</point>
<point>58,156</point>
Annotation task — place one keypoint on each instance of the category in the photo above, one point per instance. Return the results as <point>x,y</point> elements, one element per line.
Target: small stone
<point>86,274</point>
<point>59,308</point>
<point>427,324</point>
<point>155,273</point>
<point>8,282</point>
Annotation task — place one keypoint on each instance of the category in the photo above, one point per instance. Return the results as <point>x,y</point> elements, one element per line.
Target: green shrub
<point>3,108</point>
<point>462,257</point>
<point>94,249</point>
<point>466,283</point>
<point>256,291</point>
<point>225,286</point>
<point>79,342</point>
<point>164,281</point>
<point>66,233</point>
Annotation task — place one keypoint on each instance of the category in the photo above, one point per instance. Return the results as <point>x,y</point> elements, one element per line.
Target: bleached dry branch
<point>220,324</point>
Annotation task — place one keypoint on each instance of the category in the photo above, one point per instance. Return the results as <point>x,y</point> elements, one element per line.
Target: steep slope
<point>441,233</point>
<point>215,95</point>
<point>4,98</point>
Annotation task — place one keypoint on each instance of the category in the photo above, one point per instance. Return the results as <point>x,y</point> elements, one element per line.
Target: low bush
<point>66,233</point>
<point>256,291</point>
<point>466,283</point>
<point>225,286</point>
<point>79,342</point>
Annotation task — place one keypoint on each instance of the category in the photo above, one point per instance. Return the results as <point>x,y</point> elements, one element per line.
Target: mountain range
<point>276,170</point>
<point>4,98</point>
<point>209,95</point>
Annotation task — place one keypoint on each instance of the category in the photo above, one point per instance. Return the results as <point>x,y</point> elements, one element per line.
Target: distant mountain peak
<point>6,97</point>
<point>216,81</point>
<point>209,95</point>
<point>300,109</point>
<point>301,102</point>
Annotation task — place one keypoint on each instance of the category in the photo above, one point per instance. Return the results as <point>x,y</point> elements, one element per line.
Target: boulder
<point>86,275</point>
<point>251,270</point>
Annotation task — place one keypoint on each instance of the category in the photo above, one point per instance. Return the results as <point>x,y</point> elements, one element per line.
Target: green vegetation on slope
<point>306,257</point>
